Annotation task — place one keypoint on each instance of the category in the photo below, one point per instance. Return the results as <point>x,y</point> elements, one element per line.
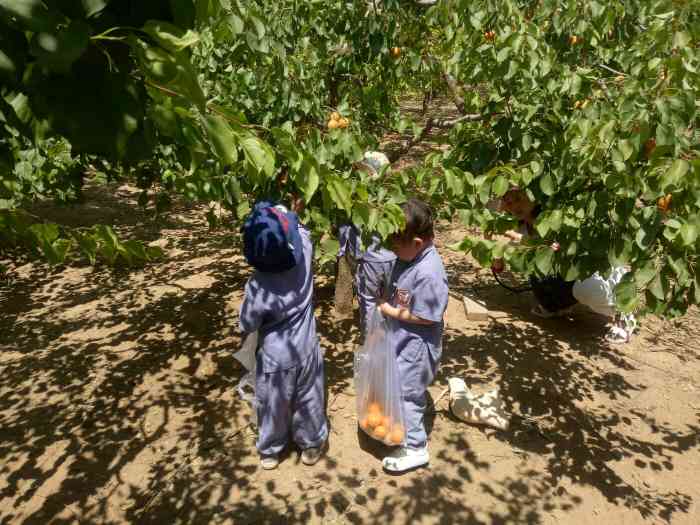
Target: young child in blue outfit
<point>289,384</point>
<point>418,300</point>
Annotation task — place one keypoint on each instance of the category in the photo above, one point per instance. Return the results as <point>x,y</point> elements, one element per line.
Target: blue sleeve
<point>253,309</point>
<point>430,295</point>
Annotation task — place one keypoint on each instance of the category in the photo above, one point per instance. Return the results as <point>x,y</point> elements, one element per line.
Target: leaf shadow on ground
<point>108,414</point>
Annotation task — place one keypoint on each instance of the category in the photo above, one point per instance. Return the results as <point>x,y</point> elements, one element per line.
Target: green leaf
<point>626,149</point>
<point>222,138</point>
<point>674,174</point>
<point>308,178</point>
<point>572,273</point>
<point>330,247</point>
<point>481,251</point>
<point>454,184</point>
<point>88,245</point>
<point>658,287</point>
<point>644,238</point>
<point>500,186</point>
<point>620,252</point>
<point>689,233</point>
<point>626,296</point>
<point>260,155</point>
<point>542,224</point>
<point>547,184</point>
<point>236,24</point>
<point>169,36</point>
<point>339,192</point>
<point>645,274</point>
<point>680,268</point>
<point>92,7</point>
<point>242,210</point>
<point>360,214</point>
<point>45,232</point>
<point>544,258</point>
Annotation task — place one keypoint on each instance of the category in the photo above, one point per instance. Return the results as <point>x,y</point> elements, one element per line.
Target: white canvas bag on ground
<point>479,409</point>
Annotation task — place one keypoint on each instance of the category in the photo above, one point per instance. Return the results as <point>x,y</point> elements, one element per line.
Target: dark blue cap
<point>271,240</point>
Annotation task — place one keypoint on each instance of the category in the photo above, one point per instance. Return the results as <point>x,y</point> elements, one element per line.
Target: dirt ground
<point>117,403</point>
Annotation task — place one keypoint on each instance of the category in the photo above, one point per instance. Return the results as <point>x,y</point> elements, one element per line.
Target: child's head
<point>517,203</point>
<point>418,233</point>
<point>271,240</point>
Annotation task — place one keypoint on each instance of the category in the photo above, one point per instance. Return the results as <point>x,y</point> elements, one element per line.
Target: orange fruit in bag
<point>386,421</point>
<point>374,420</point>
<point>364,423</point>
<point>396,436</point>
<point>380,432</point>
<point>374,408</point>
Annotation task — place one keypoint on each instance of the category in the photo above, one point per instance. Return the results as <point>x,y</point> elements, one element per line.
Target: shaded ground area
<point>117,405</point>
<point>117,401</point>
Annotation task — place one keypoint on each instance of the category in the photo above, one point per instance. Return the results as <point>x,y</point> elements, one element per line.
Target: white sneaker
<point>269,462</point>
<point>310,456</point>
<point>406,458</point>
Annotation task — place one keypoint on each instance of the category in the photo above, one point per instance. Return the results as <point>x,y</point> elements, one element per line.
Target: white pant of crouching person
<point>598,293</point>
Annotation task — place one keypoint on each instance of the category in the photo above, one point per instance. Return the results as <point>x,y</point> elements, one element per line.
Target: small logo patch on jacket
<point>403,298</point>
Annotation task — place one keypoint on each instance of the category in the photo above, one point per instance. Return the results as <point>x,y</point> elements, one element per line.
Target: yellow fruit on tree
<point>335,116</point>
<point>343,123</point>
<point>664,203</point>
<point>333,124</point>
<point>395,52</point>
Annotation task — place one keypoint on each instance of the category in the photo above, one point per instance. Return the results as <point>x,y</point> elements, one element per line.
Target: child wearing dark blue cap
<point>289,384</point>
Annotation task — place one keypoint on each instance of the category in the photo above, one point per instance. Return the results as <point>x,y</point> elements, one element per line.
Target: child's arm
<point>402,314</point>
<point>253,308</point>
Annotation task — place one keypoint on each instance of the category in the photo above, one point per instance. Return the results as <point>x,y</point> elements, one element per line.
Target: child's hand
<point>297,204</point>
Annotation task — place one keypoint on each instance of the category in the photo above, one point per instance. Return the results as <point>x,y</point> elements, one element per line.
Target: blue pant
<point>417,369</point>
<point>291,402</point>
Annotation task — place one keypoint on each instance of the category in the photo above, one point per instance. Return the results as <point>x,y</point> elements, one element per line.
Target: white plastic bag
<point>479,409</point>
<point>246,356</point>
<point>379,409</point>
